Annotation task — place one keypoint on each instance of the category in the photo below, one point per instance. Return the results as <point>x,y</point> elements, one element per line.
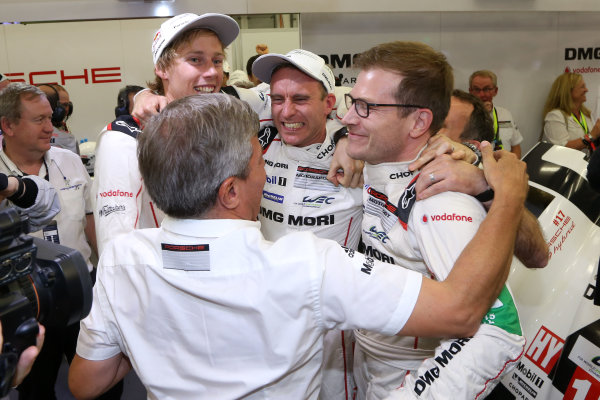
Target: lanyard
<point>581,123</point>
<point>497,142</point>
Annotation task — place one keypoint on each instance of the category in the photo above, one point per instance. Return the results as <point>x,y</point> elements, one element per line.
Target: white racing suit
<point>120,200</point>
<point>297,196</point>
<point>428,236</point>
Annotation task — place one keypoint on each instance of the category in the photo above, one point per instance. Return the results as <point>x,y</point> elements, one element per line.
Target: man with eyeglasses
<point>26,121</point>
<point>401,98</point>
<point>483,84</point>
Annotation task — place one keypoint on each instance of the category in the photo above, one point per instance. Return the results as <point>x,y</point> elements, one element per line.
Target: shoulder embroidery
<point>406,203</point>
<point>125,124</point>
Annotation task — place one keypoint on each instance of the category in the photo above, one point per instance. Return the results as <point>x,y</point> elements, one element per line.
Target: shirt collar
<point>206,227</point>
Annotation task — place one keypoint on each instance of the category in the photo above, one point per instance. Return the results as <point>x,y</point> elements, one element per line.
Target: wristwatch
<point>587,140</point>
<point>486,195</point>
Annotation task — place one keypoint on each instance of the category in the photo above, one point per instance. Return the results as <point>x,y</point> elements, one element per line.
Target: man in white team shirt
<point>235,316</point>
<point>401,97</point>
<point>484,85</point>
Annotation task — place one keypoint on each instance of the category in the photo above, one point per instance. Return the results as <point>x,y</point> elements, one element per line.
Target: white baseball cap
<point>307,62</point>
<point>223,25</point>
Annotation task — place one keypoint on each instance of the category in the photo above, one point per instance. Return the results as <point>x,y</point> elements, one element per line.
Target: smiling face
<point>383,136</point>
<point>196,69</point>
<point>578,93</point>
<point>298,107</point>
<point>31,133</point>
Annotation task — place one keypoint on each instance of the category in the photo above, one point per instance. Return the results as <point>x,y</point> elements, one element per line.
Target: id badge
<point>51,232</point>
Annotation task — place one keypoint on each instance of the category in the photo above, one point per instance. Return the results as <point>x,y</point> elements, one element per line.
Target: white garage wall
<point>110,54</point>
<point>525,49</point>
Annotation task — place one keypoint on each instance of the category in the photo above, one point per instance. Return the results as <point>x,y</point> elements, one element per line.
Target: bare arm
<point>456,306</point>
<point>89,379</point>
<point>146,104</point>
<point>530,247</point>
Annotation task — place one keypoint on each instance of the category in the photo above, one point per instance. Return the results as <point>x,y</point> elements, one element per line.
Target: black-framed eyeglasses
<point>486,90</point>
<point>362,107</point>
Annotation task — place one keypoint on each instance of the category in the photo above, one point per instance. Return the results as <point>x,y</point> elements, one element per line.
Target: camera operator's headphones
<point>122,107</point>
<point>59,113</point>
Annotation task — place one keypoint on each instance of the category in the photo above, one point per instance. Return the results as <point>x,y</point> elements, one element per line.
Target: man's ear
<point>160,73</point>
<point>6,126</point>
<point>422,122</point>
<point>329,103</point>
<point>228,196</point>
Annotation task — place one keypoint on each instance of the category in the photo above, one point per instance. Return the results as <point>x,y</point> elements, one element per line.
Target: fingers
<point>420,162</point>
<point>25,364</point>
<point>332,176</point>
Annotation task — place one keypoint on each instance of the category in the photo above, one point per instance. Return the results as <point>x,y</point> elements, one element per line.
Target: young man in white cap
<point>188,55</point>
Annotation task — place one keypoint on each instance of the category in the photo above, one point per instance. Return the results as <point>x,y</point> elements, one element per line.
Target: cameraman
<point>25,119</point>
<point>25,361</point>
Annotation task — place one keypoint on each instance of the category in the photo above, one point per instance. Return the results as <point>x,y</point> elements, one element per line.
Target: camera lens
<point>22,263</point>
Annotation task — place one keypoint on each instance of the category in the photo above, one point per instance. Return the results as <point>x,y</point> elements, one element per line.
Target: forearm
<point>482,268</point>
<point>89,379</point>
<point>576,144</point>
<point>530,247</point>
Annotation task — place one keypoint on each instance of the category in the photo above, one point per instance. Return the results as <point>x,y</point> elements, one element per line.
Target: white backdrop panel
<point>525,49</point>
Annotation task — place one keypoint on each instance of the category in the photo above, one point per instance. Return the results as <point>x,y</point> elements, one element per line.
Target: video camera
<point>39,281</point>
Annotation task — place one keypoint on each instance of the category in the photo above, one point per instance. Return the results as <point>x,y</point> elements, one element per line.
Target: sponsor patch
<point>277,180</point>
<point>273,197</point>
<point>115,193</point>
<point>315,201</point>
<point>377,235</point>
<point>105,211</point>
<point>377,204</point>
<point>314,179</point>
<point>186,257</point>
<point>446,217</point>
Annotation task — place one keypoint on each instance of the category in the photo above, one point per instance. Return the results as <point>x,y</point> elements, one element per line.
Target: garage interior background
<point>96,47</point>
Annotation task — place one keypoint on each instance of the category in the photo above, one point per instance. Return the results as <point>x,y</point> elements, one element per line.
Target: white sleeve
<point>260,101</point>
<point>359,292</point>
<point>555,128</point>
<point>117,182</point>
<point>443,225</point>
<point>46,205</point>
<point>95,342</point>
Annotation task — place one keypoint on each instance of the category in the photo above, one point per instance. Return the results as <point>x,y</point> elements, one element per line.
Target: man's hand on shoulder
<point>344,170</point>
<point>439,145</point>
<point>445,174</point>
<point>146,104</point>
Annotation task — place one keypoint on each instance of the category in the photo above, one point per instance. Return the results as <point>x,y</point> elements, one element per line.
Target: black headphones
<point>59,112</point>
<point>122,107</point>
